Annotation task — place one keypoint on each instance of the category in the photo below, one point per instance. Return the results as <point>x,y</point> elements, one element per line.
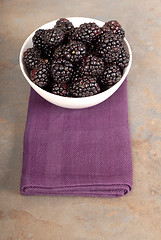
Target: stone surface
<point>136,216</point>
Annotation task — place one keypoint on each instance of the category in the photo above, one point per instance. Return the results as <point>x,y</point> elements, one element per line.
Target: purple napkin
<point>84,152</point>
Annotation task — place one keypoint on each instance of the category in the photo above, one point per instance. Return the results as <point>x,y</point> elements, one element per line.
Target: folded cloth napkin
<point>77,152</point>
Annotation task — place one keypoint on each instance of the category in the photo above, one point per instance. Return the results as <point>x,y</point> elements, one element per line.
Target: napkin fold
<point>77,152</point>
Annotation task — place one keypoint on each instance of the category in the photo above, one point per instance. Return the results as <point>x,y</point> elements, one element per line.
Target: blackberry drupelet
<point>87,32</point>
<point>74,51</point>
<point>111,75</point>
<point>40,75</point>
<point>32,57</point>
<point>85,87</point>
<point>54,37</point>
<point>65,25</point>
<point>92,66</point>
<point>61,70</point>
<point>38,39</point>
<point>60,89</point>
<point>107,42</point>
<point>114,27</point>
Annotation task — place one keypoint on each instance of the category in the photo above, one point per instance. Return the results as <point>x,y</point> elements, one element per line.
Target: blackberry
<point>76,75</point>
<point>32,57</point>
<point>111,55</point>
<point>117,56</point>
<point>87,32</point>
<point>92,66</point>
<point>114,27</point>
<point>123,58</point>
<point>54,37</point>
<point>47,52</point>
<point>108,42</point>
<point>111,75</point>
<point>74,51</point>
<point>48,65</point>
<point>65,25</point>
<point>40,43</point>
<point>72,34</point>
<point>85,87</point>
<point>58,53</point>
<point>40,75</point>
<point>60,89</point>
<point>38,39</point>
<point>61,70</point>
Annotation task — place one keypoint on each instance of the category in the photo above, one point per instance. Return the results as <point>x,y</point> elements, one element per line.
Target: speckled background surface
<point>136,216</point>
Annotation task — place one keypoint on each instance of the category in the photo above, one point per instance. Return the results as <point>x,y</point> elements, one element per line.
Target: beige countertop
<point>136,216</point>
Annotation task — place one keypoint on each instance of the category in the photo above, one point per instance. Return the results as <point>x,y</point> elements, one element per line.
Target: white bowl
<point>69,102</point>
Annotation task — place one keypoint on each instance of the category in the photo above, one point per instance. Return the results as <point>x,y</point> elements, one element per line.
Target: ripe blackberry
<point>54,37</point>
<point>87,32</point>
<point>74,51</point>
<point>111,75</point>
<point>92,66</point>
<point>114,27</point>
<point>61,70</point>
<point>72,34</point>
<point>118,56</point>
<point>111,55</point>
<point>58,53</point>
<point>65,25</point>
<point>38,39</point>
<point>40,75</point>
<point>76,75</point>
<point>60,89</point>
<point>108,42</point>
<point>123,58</point>
<point>47,52</point>
<point>85,87</point>
<point>32,57</point>
<point>48,65</point>
<point>40,43</point>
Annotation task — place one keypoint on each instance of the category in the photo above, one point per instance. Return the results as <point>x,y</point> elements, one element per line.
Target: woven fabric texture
<point>82,152</point>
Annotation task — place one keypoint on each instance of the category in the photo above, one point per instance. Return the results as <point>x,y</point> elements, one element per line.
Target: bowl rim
<point>78,99</point>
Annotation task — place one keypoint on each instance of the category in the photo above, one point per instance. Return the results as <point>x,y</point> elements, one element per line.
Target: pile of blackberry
<point>77,62</point>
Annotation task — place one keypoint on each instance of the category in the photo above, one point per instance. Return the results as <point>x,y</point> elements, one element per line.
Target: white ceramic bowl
<point>68,102</point>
